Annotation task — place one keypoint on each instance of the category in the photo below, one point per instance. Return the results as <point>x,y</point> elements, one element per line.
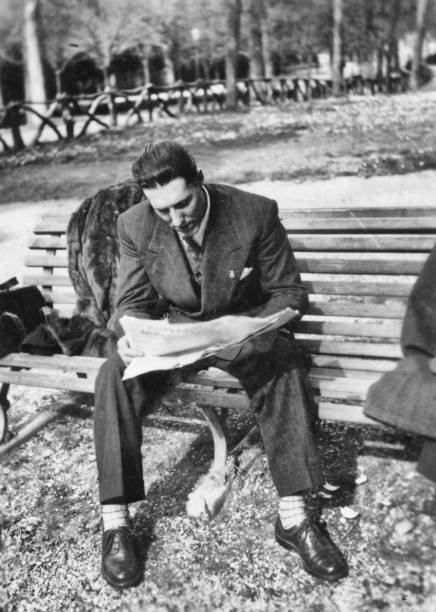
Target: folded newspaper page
<point>173,345</point>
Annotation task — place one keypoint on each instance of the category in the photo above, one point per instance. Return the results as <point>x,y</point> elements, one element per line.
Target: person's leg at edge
<point>280,393</point>
<point>427,460</point>
<point>119,408</point>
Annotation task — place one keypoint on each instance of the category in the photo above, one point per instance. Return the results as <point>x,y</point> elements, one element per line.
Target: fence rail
<point>111,107</point>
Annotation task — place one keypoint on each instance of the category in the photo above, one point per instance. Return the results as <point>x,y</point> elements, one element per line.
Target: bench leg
<point>4,407</point>
<point>211,491</point>
<point>37,423</point>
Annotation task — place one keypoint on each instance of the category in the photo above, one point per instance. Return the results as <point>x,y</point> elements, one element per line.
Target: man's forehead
<point>167,195</point>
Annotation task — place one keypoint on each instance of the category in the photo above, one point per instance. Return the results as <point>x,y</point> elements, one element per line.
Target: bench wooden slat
<point>47,380</point>
<point>367,211</point>
<point>66,295</point>
<point>347,364</point>
<point>342,387</point>
<point>361,224</point>
<point>62,363</point>
<point>46,260</point>
<point>327,410</point>
<point>393,310</point>
<point>361,263</point>
<point>55,226</point>
<point>326,263</point>
<point>48,280</point>
<point>314,286</point>
<point>306,212</point>
<point>49,241</point>
<point>307,242</point>
<point>342,286</point>
<point>330,411</point>
<point>358,242</point>
<point>309,224</point>
<point>387,328</point>
<point>329,346</point>
<point>345,388</point>
<point>396,310</point>
<point>336,374</point>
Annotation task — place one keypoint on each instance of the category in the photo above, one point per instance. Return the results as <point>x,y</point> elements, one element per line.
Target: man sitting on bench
<point>195,252</point>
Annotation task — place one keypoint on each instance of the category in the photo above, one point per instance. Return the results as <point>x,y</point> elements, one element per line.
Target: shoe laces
<point>116,537</point>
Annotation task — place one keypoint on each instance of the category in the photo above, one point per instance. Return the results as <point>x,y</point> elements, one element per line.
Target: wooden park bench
<point>359,266</point>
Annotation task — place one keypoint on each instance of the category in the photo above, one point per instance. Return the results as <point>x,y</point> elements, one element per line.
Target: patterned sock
<point>114,516</point>
<point>292,511</point>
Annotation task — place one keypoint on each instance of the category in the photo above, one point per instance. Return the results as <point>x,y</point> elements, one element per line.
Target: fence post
<point>13,114</point>
<point>111,105</point>
<point>67,115</point>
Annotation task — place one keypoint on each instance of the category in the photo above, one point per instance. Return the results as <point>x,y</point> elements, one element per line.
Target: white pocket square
<point>245,273</point>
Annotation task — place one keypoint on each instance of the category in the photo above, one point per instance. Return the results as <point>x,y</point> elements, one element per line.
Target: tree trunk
<point>58,81</point>
<point>260,61</point>
<point>337,48</point>
<point>421,9</point>
<point>257,68</point>
<point>1,90</point>
<point>234,8</point>
<point>34,80</point>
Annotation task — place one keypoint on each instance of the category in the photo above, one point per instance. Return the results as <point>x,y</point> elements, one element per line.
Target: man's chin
<point>188,232</point>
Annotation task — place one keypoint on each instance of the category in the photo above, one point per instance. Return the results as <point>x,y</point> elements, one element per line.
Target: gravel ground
<point>51,533</point>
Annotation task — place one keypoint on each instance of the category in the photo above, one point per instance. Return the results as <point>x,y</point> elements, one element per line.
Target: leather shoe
<point>320,556</point>
<point>121,565</point>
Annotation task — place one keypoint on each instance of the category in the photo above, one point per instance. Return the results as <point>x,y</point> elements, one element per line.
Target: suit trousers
<point>277,384</point>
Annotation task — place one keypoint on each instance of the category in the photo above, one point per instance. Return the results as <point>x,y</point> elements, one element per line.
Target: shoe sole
<point>122,585</point>
<point>291,547</point>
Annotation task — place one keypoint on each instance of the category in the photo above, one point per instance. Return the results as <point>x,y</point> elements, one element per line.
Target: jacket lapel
<point>223,259</point>
<point>165,260</point>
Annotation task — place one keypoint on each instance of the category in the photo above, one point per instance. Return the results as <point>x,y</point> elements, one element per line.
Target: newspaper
<point>173,345</point>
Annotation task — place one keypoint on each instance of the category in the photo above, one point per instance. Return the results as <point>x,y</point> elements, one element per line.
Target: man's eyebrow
<point>183,202</point>
<point>179,204</point>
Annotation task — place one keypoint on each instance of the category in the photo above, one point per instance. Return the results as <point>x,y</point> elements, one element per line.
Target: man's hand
<point>126,352</point>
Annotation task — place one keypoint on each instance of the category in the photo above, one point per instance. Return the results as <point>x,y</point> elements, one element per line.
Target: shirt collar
<point>199,234</point>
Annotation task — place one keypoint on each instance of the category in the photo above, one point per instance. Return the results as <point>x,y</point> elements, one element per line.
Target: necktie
<point>193,253</point>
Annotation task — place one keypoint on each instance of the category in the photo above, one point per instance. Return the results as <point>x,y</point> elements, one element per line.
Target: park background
<point>353,126</point>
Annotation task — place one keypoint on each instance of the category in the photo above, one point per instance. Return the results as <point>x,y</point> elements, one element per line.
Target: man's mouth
<point>189,228</point>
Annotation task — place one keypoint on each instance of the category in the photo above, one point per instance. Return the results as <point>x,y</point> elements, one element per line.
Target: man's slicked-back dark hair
<point>161,162</point>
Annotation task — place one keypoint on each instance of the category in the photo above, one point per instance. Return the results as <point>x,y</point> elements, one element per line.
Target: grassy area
<point>362,136</point>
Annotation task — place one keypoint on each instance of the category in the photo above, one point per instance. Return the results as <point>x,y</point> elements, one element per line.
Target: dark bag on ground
<point>20,313</point>
<point>25,303</point>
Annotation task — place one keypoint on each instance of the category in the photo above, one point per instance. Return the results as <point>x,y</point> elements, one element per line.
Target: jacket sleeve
<point>279,276</point>
<point>135,294</point>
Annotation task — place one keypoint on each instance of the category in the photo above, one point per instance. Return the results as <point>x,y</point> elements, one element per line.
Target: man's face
<point>180,205</point>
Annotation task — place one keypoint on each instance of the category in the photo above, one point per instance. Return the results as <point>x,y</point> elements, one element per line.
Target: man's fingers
<point>127,353</point>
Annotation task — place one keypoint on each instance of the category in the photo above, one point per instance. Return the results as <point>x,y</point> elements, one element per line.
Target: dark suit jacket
<point>244,231</point>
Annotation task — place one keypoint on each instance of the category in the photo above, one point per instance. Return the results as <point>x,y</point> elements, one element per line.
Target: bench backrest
<point>359,266</point>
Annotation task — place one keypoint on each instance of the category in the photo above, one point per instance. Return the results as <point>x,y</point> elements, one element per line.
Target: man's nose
<point>176,217</point>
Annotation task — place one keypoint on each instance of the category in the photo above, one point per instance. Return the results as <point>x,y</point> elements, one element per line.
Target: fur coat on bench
<point>93,256</point>
<point>93,249</point>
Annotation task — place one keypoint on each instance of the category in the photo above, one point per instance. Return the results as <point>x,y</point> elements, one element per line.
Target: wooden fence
<point>111,107</point>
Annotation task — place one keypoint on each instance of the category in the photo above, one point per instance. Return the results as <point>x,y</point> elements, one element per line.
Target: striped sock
<point>292,511</point>
<point>114,516</point>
